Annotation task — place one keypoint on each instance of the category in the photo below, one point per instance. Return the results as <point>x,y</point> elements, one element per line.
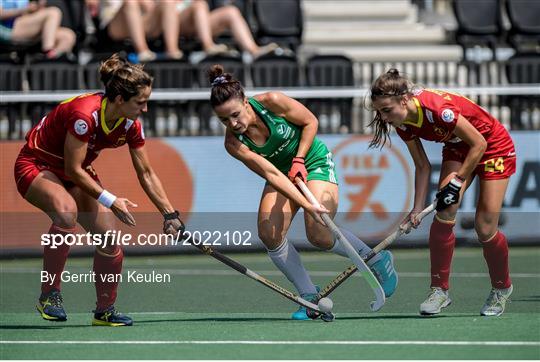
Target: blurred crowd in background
<point>148,29</point>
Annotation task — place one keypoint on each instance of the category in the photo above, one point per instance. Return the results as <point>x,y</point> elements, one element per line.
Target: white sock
<point>287,259</point>
<point>356,243</point>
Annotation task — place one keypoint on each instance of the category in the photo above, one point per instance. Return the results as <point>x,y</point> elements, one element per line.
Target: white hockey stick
<point>382,245</point>
<point>351,253</point>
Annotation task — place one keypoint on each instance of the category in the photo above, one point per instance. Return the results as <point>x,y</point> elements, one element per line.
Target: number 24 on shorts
<point>494,165</point>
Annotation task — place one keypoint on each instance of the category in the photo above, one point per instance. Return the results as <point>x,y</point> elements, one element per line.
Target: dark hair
<point>224,86</point>
<point>389,84</point>
<point>120,77</point>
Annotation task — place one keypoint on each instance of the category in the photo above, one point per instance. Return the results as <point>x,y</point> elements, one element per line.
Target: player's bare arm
<point>149,180</point>
<point>74,155</point>
<point>269,172</point>
<point>152,186</point>
<point>422,173</point>
<point>470,135</point>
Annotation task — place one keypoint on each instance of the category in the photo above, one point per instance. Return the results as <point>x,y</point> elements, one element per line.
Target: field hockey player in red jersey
<point>54,173</point>
<point>475,144</point>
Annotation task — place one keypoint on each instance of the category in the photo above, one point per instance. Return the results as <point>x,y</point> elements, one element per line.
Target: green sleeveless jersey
<point>282,144</point>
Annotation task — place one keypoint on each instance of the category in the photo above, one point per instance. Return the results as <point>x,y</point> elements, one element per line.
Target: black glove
<point>449,194</point>
<point>173,225</point>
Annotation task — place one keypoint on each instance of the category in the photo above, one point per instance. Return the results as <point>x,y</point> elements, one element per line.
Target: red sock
<point>496,255</point>
<point>441,248</point>
<point>54,260</point>
<point>107,266</point>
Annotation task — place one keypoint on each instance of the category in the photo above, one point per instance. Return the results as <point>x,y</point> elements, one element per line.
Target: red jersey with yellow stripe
<point>438,113</point>
<point>84,117</point>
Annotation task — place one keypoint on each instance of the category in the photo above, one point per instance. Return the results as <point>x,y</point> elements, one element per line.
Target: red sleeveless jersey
<point>83,117</point>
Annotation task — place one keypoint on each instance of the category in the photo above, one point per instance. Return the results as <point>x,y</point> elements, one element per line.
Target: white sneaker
<point>496,301</point>
<point>436,300</point>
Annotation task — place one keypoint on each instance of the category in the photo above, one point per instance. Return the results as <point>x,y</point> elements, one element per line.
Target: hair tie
<point>219,80</point>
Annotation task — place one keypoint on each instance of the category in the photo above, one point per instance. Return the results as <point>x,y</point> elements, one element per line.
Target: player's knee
<point>65,219</point>
<point>485,232</point>
<point>65,214</point>
<point>110,250</point>
<point>270,238</point>
<point>485,226</point>
<point>319,240</point>
<point>448,214</point>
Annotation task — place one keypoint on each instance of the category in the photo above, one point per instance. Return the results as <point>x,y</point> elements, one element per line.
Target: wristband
<point>298,159</point>
<point>171,215</point>
<point>459,178</point>
<point>106,198</point>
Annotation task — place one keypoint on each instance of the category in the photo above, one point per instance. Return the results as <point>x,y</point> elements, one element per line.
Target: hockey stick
<point>242,269</point>
<point>351,253</point>
<point>382,245</point>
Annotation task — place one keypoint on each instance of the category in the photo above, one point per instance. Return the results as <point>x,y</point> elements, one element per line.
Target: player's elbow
<point>272,176</point>
<point>73,172</point>
<point>481,146</point>
<point>423,166</point>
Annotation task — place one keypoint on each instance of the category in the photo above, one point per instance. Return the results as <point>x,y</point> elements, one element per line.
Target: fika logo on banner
<point>375,187</point>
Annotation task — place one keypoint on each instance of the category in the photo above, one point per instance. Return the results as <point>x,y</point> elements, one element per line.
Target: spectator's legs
<point>230,18</point>
<point>42,23</point>
<point>127,24</point>
<point>64,41</point>
<point>195,20</point>
<point>50,28</point>
<point>165,21</point>
<point>65,7</point>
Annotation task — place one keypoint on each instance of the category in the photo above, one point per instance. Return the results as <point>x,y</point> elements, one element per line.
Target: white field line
<point>359,343</point>
<point>227,272</point>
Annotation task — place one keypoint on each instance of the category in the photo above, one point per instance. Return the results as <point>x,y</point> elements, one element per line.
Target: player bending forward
<point>274,136</point>
<point>475,143</point>
<point>54,173</point>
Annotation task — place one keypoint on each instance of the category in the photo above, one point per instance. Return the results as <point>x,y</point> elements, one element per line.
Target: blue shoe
<point>384,271</point>
<point>50,306</point>
<point>110,317</point>
<point>303,314</point>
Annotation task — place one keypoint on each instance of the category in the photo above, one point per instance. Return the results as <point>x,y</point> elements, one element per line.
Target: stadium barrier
<point>508,89</point>
<point>218,196</point>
